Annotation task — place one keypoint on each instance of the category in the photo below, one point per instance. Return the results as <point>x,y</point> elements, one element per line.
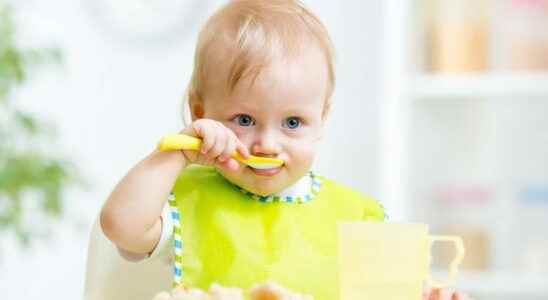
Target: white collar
<point>304,190</point>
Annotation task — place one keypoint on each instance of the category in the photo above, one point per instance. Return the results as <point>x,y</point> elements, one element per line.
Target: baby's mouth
<point>266,172</point>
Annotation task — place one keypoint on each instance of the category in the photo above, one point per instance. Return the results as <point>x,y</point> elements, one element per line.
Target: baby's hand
<point>443,294</point>
<point>218,143</point>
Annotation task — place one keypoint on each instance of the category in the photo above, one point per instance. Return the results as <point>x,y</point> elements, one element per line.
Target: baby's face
<point>280,115</point>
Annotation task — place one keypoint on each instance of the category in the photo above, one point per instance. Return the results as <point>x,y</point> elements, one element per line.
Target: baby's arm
<point>131,216</point>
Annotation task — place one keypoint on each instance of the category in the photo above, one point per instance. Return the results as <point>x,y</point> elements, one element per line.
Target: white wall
<point>111,101</point>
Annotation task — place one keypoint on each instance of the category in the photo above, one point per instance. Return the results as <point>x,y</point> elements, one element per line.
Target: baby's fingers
<point>225,160</point>
<point>228,164</point>
<point>242,149</point>
<point>229,149</point>
<point>233,145</point>
<point>219,144</point>
<point>204,160</point>
<point>207,133</point>
<point>236,145</point>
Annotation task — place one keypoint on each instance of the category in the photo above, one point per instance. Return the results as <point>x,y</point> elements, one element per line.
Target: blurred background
<point>441,109</point>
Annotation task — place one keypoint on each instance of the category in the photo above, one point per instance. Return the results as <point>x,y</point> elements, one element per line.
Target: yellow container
<point>389,261</point>
<point>459,35</point>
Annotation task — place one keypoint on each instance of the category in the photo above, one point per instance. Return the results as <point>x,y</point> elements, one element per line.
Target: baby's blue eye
<point>292,122</point>
<point>244,120</point>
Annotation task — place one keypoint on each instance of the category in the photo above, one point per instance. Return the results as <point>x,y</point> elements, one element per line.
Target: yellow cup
<point>389,261</point>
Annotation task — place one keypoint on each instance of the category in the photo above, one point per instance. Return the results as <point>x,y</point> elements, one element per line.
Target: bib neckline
<point>304,190</point>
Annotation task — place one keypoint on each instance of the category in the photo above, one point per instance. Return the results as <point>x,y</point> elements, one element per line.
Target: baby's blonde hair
<point>244,36</point>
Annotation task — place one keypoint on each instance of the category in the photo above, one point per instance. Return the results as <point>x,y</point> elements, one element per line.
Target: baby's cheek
<point>233,127</point>
<point>241,134</point>
<point>304,154</point>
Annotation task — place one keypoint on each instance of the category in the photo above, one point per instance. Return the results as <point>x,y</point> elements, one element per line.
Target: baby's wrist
<point>171,157</point>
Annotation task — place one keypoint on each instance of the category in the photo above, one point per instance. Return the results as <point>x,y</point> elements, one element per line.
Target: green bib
<point>225,236</point>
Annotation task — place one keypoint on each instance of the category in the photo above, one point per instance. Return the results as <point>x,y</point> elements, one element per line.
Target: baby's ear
<point>196,105</point>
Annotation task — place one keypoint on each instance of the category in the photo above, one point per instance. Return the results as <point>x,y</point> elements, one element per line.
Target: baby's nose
<point>266,145</point>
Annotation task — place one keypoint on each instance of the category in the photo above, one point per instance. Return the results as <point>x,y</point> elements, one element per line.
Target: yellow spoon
<point>186,142</point>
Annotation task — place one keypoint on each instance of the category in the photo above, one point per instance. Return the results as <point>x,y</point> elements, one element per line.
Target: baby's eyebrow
<point>299,111</point>
<point>232,111</point>
<point>240,102</point>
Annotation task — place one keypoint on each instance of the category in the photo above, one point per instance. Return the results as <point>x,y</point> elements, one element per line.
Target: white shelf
<point>479,85</point>
<point>500,283</point>
<point>403,84</point>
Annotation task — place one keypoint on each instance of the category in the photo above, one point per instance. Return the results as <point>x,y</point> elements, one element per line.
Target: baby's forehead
<point>292,83</point>
<point>229,69</point>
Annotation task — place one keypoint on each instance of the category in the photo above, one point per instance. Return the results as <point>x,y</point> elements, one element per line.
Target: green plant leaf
<point>29,174</point>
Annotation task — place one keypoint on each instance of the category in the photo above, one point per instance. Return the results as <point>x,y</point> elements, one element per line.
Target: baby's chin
<point>259,185</point>
<point>265,190</point>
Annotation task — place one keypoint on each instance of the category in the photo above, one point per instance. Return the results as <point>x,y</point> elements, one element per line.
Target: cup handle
<point>454,266</point>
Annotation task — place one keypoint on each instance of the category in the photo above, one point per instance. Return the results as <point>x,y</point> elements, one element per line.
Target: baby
<point>262,84</point>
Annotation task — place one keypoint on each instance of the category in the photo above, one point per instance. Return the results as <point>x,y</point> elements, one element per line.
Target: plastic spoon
<point>186,142</point>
